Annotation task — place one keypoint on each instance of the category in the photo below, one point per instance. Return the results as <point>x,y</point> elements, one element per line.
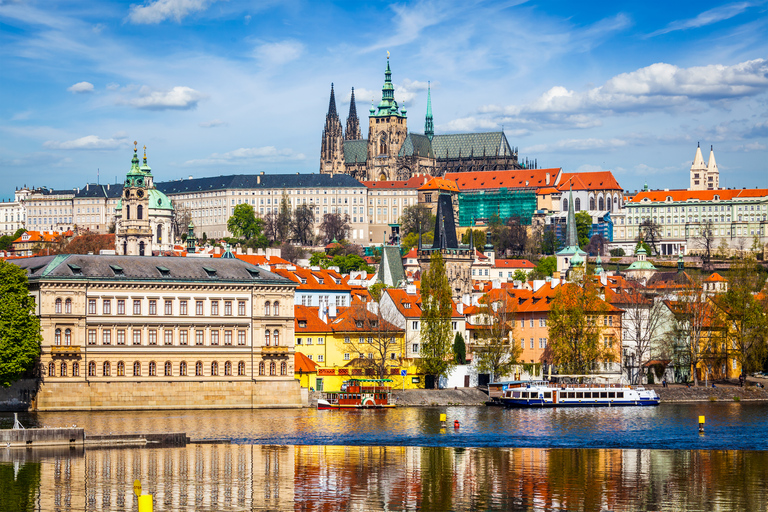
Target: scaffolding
<point>481,205</point>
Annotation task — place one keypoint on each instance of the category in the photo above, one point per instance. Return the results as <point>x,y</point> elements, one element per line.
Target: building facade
<point>13,214</point>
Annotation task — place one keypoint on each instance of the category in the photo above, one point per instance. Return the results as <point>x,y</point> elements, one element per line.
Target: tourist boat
<point>542,393</point>
<point>359,394</point>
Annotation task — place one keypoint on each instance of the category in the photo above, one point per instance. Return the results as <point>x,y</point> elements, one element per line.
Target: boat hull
<point>324,405</point>
<point>539,404</point>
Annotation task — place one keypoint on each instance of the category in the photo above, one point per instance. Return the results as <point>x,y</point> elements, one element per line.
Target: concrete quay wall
<point>34,437</point>
<point>148,395</point>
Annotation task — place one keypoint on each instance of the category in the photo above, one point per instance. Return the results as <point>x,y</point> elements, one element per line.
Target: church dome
<point>159,201</point>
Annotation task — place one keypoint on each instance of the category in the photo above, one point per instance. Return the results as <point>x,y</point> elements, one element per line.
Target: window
<point>531,342</point>
<point>276,336</point>
<point>309,341</point>
<point>106,338</point>
<point>57,337</point>
<point>183,333</point>
<point>105,369</point>
<point>227,337</point>
<point>199,369</point>
<point>136,307</point>
<point>182,307</point>
<point>120,369</point>
<point>137,369</point>
<point>276,309</point>
<point>152,369</point>
<point>57,309</point>
<point>120,337</point>
<point>228,308</point>
<point>75,369</point>
<point>68,337</point>
<point>215,307</point>
<point>266,337</point>
<point>91,306</point>
<point>267,308</point>
<point>241,368</point>
<point>261,368</point>
<point>51,369</point>
<point>91,369</point>
<point>199,337</point>
<point>63,369</point>
<point>346,357</point>
<point>120,306</point>
<point>214,368</point>
<point>168,369</point>
<point>106,307</point>
<point>241,337</point>
<point>152,307</point>
<point>68,307</point>
<point>183,369</point>
<point>228,369</point>
<point>320,358</point>
<point>214,337</point>
<point>169,307</point>
<point>199,308</point>
<point>283,369</point>
<point>272,368</point>
<point>320,341</point>
<point>241,308</point>
<point>415,348</point>
<point>136,337</point>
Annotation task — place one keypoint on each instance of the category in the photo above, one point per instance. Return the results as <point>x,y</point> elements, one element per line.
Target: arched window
<point>601,203</point>
<point>261,368</point>
<point>283,369</point>
<point>241,368</point>
<point>51,369</point>
<point>127,212</point>
<point>577,204</point>
<point>139,212</point>
<point>609,204</point>
<point>272,367</point>
<point>276,336</point>
<point>266,308</point>
<point>68,307</point>
<point>591,203</point>
<point>92,369</point>
<point>199,369</point>
<point>125,248</point>
<point>63,369</point>
<point>228,368</point>
<point>183,369</point>
<point>159,233</point>
<point>57,308</point>
<point>137,369</point>
<point>120,369</point>
<point>141,248</point>
<point>152,369</point>
<point>168,369</point>
<point>383,144</point>
<point>57,337</point>
<point>214,368</point>
<point>106,370</point>
<point>68,337</point>
<point>565,205</point>
<point>75,369</point>
<point>266,338</point>
<point>276,309</point>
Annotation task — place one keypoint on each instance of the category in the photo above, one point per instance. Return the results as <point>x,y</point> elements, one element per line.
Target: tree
<point>550,243</point>
<point>651,233</point>
<point>412,240</point>
<point>335,226</point>
<point>520,275</point>
<point>303,224</point>
<point>291,252</point>
<point>645,247</point>
<point>7,240</point>
<point>376,343</point>
<point>376,289</point>
<point>243,222</point>
<point>182,216</point>
<point>347,264</point>
<point>545,268</point>
<point>618,252</point>
<point>318,259</point>
<point>459,349</point>
<point>89,243</point>
<point>477,236</point>
<point>417,218</point>
<point>745,317</point>
<point>496,351</point>
<point>271,230</point>
<point>706,240</point>
<point>583,226</point>
<point>575,329</point>
<point>19,326</point>
<point>284,219</point>
<point>595,245</point>
<point>436,312</point>
<point>517,235</point>
<point>644,323</point>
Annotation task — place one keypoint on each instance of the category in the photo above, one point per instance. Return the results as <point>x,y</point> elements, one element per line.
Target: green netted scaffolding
<point>505,203</point>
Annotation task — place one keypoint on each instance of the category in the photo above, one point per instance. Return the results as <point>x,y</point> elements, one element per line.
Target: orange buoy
<point>456,424</point>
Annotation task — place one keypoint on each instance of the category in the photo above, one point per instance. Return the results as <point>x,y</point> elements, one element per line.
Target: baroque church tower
<point>133,233</point>
<point>353,123</point>
<point>332,148</point>
<point>704,176</point>
<point>387,129</point>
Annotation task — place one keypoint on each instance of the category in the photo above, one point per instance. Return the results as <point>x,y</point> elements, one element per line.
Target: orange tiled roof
<point>714,278</point>
<point>440,184</point>
<point>312,279</point>
<point>303,364</point>
<point>600,180</point>
<point>513,264</point>
<point>38,236</point>
<point>519,178</point>
<point>413,253</point>
<point>701,195</point>
<point>547,190</point>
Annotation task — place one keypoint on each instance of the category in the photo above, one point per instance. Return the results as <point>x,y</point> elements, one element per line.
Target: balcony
<point>65,350</point>
<point>275,351</point>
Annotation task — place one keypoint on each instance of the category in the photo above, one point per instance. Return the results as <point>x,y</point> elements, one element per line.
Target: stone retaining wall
<point>723,393</point>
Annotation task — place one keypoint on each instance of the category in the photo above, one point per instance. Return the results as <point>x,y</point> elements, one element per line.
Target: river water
<point>403,459</point>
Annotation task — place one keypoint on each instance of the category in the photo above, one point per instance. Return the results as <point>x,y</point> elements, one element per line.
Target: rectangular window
<point>183,336</point>
<point>241,308</point>
<point>106,307</point>
<point>182,307</point>
<point>541,322</point>
<point>91,336</point>
<point>120,306</point>
<point>309,341</point>
<point>137,307</point>
<point>415,325</point>
<point>169,307</point>
<point>241,337</point>
<point>346,339</point>
<point>215,308</point>
<point>346,357</point>
<point>531,323</point>
<point>199,337</point>
<point>199,308</point>
<point>227,337</point>
<point>106,337</point>
<point>531,342</point>
<point>152,307</point>
<point>298,341</point>
<point>168,337</point>
<point>136,337</point>
<point>522,324</point>
<point>152,335</point>
<point>320,341</point>
<point>227,308</point>
<point>214,337</point>
<point>320,358</point>
<point>415,348</point>
<point>121,336</point>
<point>91,306</point>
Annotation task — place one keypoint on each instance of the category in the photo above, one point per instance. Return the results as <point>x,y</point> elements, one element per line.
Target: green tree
<point>550,244</point>
<point>575,329</point>
<point>412,240</point>
<point>243,222</point>
<point>459,349</point>
<point>348,263</point>
<point>583,225</point>
<point>520,275</point>
<point>376,289</point>
<point>436,312</point>
<point>284,219</point>
<point>497,353</point>
<point>7,240</point>
<point>19,326</point>
<point>644,245</point>
<point>415,217</point>
<point>545,268</point>
<point>318,259</point>
<point>478,237</point>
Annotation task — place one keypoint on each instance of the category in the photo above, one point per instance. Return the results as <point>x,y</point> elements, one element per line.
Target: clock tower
<point>133,231</point>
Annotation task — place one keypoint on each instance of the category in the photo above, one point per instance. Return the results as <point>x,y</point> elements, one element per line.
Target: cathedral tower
<point>387,129</point>
<point>704,176</point>
<point>429,124</point>
<point>353,123</point>
<point>133,233</point>
<point>332,147</point>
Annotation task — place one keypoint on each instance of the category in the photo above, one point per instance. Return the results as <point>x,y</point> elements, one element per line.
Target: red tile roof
<point>715,277</point>
<point>520,178</point>
<point>601,180</point>
<point>701,195</point>
<point>440,184</point>
<point>513,264</point>
<point>303,364</point>
<point>312,279</point>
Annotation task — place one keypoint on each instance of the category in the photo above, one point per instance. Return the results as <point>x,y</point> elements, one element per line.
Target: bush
<point>617,252</point>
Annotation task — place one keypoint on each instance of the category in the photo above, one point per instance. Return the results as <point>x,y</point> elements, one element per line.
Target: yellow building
<point>352,342</point>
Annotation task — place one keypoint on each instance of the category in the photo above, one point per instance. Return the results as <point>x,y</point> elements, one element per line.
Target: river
<point>403,459</point>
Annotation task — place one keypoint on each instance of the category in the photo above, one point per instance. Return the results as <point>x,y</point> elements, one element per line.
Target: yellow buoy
<point>443,418</point>
<point>145,503</point>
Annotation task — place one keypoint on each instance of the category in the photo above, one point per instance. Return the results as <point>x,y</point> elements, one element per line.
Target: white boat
<point>542,393</point>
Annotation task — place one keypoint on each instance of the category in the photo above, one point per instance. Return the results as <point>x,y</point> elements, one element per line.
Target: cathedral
<point>391,152</point>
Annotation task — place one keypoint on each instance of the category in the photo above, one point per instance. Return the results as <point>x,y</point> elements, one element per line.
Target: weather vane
<point>387,54</point>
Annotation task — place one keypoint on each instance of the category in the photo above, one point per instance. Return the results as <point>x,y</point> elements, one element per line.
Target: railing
<point>275,350</point>
<point>65,349</point>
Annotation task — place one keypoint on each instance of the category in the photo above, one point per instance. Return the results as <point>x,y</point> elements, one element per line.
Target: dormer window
<point>359,324</point>
<point>164,271</point>
<point>76,270</point>
<point>302,323</point>
<point>303,281</point>
<point>407,305</point>
<point>253,271</point>
<point>210,271</point>
<point>118,270</point>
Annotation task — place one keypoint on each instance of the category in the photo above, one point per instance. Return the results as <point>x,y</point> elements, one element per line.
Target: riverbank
<point>429,397</point>
<point>720,393</point>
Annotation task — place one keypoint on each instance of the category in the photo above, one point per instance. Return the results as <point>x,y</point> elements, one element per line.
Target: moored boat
<point>359,394</point>
<point>541,393</point>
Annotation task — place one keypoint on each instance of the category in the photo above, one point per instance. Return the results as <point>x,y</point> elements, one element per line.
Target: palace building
<point>129,332</point>
<point>391,152</point>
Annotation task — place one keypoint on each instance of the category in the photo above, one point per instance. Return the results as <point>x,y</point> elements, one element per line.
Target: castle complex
<point>391,152</point>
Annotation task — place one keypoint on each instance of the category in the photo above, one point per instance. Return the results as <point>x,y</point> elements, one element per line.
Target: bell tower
<point>133,233</point>
<point>387,130</point>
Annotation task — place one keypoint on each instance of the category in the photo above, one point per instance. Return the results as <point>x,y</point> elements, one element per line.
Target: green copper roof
<point>158,200</point>
<point>571,238</point>
<point>467,144</point>
<point>641,265</point>
<point>599,266</point>
<point>429,125</point>
<point>355,151</point>
<point>387,106</point>
<point>416,145</point>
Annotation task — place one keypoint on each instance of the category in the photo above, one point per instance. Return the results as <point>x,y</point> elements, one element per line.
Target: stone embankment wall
<point>18,396</point>
<point>428,397</point>
<point>702,394</point>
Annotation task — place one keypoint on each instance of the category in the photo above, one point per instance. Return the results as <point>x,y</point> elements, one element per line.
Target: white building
<point>13,213</point>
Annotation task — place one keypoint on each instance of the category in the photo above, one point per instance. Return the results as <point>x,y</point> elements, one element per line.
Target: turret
<point>429,125</point>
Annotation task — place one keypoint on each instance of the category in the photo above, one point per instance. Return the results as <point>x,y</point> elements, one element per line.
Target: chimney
<point>546,180</point>
<point>258,180</point>
<point>332,310</point>
<point>460,307</point>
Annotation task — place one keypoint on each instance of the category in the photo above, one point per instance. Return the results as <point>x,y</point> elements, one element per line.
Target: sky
<point>216,87</point>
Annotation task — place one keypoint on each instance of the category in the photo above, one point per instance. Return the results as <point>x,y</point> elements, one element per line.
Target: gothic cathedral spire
<point>353,123</point>
<point>429,125</point>
<point>332,147</point>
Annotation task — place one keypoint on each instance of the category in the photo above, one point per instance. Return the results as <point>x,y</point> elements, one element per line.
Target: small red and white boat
<point>359,394</point>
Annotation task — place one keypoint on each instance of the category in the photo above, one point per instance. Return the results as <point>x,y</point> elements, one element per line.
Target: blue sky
<point>222,87</point>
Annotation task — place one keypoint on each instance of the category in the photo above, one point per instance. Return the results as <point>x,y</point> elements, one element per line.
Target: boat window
<point>603,395</point>
<point>579,394</point>
<point>619,394</point>
<point>525,394</point>
<point>516,394</point>
<point>571,394</point>
<point>611,394</point>
<point>548,394</point>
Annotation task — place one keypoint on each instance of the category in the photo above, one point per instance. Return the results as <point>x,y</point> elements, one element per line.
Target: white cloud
<point>158,11</point>
<point>81,87</point>
<point>568,145</point>
<point>277,54</point>
<point>112,86</point>
<point>212,123</point>
<point>468,124</point>
<point>752,146</point>
<point>178,98</point>
<point>245,155</point>
<point>87,142</point>
<point>709,17</point>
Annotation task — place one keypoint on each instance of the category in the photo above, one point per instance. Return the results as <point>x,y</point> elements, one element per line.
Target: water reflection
<point>214,477</point>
